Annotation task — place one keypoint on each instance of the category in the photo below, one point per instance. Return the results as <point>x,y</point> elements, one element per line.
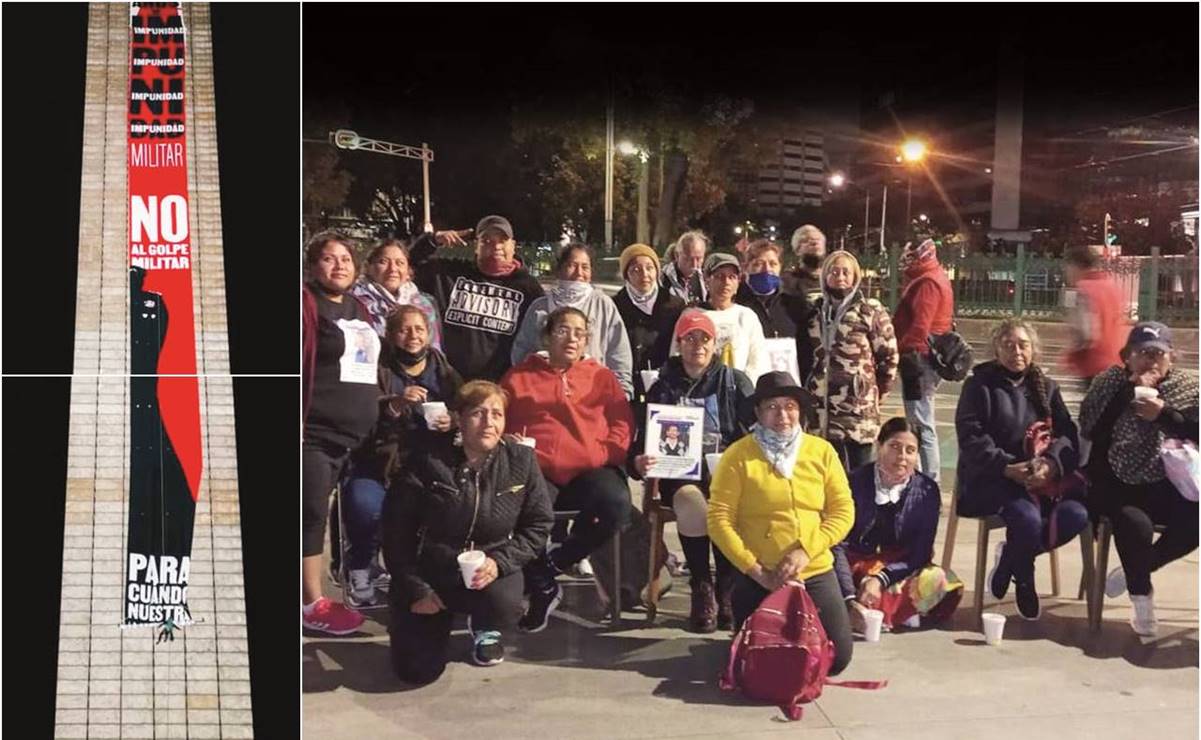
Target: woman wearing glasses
<point>1130,410</point>
<point>577,416</point>
<point>779,501</point>
<point>695,378</point>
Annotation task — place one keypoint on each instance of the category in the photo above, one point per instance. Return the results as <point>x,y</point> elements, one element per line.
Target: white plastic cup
<point>469,562</point>
<point>873,621</point>
<point>1141,392</point>
<point>528,442</point>
<point>994,628</point>
<point>711,459</point>
<point>648,378</point>
<point>432,411</point>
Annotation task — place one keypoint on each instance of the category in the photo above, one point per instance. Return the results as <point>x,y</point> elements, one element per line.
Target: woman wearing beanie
<point>854,362</point>
<point>647,311</point>
<point>1017,447</point>
<point>607,341</point>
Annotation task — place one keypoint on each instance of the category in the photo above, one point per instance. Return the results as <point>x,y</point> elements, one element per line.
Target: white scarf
<point>779,449</point>
<point>886,494</point>
<point>569,293</point>
<point>644,303</point>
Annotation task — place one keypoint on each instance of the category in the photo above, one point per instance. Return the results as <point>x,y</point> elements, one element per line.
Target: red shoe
<point>330,617</point>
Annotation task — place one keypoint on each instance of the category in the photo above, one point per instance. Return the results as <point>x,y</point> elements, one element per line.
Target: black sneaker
<point>542,603</point>
<point>487,649</point>
<point>1027,599</point>
<point>1000,575</point>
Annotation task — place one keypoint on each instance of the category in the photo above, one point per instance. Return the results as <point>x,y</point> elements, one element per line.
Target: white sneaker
<point>361,593</point>
<point>1144,621</point>
<point>583,569</point>
<point>1115,583</point>
<point>913,622</point>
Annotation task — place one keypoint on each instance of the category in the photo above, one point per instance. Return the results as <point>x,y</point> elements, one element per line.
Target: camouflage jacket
<point>854,364</point>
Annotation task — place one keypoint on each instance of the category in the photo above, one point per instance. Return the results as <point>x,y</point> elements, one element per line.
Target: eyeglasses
<point>564,332</point>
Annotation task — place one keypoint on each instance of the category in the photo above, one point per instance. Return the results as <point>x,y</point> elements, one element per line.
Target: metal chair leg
<point>1088,553</point>
<point>1104,532</point>
<point>652,585</point>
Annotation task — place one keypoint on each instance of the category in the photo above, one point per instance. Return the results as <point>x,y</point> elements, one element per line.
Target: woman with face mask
<point>647,310</point>
<point>1017,449</point>
<point>854,362</point>
<point>779,501</point>
<point>607,343</point>
<point>388,284</point>
<point>782,314</point>
<point>885,562</point>
<point>412,373</point>
<point>1130,411</point>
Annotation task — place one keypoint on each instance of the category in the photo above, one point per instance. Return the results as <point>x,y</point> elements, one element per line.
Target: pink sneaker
<point>330,617</point>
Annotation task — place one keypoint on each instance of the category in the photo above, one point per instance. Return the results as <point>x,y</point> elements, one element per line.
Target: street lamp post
<point>912,151</point>
<point>347,139</point>
<point>609,174</point>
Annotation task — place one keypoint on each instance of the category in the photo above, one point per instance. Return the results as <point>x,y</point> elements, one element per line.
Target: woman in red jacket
<point>577,415</point>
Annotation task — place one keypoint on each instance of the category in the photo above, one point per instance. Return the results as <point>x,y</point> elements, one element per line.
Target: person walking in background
<point>925,309</point>
<point>483,302</point>
<point>1098,322</point>
<point>682,272</point>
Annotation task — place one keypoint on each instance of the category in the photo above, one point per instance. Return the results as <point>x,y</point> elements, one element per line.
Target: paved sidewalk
<point>1050,678</point>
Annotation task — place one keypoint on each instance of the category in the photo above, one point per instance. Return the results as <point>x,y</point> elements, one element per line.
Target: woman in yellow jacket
<point>778,502</point>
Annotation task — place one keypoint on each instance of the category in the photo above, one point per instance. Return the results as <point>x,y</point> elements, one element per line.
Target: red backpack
<point>782,653</point>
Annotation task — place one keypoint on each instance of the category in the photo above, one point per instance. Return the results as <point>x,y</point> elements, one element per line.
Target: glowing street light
<point>837,180</point>
<point>923,218</point>
<point>913,150</point>
<point>627,148</point>
<point>737,229</point>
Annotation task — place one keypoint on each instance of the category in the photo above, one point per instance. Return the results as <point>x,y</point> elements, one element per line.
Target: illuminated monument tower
<point>150,679</point>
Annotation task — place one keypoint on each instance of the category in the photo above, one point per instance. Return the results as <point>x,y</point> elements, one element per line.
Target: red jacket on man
<point>1101,325</point>
<point>926,307</point>
<point>580,416</point>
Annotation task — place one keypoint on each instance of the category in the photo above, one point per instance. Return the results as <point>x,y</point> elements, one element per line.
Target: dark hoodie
<point>480,314</point>
<point>721,390</point>
<point>991,421</point>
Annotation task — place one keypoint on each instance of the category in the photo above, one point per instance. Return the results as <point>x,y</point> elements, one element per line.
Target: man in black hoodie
<point>482,302</point>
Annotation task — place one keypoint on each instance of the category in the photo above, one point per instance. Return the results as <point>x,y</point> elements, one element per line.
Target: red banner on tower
<point>165,455</point>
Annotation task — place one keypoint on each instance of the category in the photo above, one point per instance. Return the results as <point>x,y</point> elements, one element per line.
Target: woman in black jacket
<point>1017,453</point>
<point>486,495</point>
<point>648,312</point>
<point>1129,412</point>
<point>412,373</point>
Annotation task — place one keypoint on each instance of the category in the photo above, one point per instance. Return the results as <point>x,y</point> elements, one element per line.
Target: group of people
<point>457,405</point>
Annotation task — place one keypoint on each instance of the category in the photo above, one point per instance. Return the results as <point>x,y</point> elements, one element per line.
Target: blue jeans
<point>1032,528</point>
<point>362,502</point>
<point>919,410</point>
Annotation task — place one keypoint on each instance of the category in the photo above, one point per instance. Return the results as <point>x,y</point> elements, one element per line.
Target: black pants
<point>420,642</point>
<point>831,610</point>
<point>853,454</point>
<point>602,497</point>
<point>321,465</point>
<point>1134,511</point>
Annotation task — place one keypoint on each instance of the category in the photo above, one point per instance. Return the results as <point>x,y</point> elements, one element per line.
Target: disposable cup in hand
<point>873,620</point>
<point>711,459</point>
<point>1141,392</point>
<point>469,563</point>
<point>648,378</point>
<point>994,628</point>
<point>433,411</point>
<point>528,442</point>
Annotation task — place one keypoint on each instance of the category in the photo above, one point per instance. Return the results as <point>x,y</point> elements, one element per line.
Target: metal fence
<point>1155,288</point>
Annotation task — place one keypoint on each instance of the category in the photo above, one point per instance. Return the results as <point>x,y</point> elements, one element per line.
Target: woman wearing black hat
<point>1130,410</point>
<point>779,502</point>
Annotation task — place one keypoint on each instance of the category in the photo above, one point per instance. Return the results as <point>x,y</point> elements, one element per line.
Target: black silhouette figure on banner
<point>161,508</point>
